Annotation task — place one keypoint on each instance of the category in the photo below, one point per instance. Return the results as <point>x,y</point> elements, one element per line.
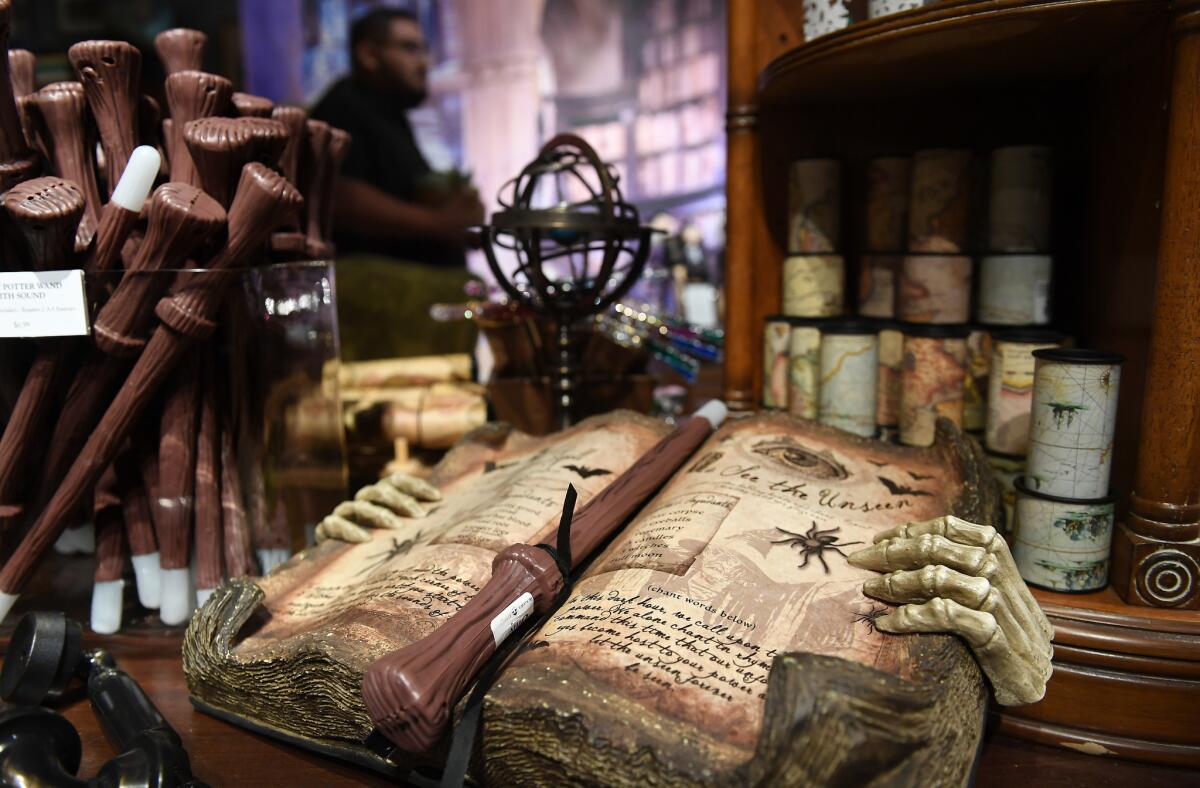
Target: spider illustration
<point>870,617</point>
<point>814,542</point>
<point>397,548</point>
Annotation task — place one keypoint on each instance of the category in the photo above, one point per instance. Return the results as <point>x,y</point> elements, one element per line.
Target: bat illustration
<point>586,472</point>
<point>397,548</point>
<point>918,477</point>
<point>900,489</point>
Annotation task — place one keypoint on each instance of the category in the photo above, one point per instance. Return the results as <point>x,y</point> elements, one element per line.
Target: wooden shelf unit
<point>1113,86</point>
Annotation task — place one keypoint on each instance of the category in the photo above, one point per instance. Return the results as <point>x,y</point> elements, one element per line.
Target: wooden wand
<point>410,692</point>
<point>263,200</point>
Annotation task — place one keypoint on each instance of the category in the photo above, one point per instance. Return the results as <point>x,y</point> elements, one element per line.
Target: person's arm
<point>367,210</point>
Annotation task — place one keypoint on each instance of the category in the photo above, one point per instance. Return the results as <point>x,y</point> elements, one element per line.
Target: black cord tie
<point>462,744</point>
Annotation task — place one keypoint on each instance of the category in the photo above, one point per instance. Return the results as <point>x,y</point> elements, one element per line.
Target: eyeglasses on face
<point>407,45</point>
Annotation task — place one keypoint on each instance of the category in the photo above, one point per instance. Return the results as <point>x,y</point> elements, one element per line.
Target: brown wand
<point>291,243</point>
<point>139,526</point>
<point>314,161</point>
<point>46,380</point>
<point>180,49</point>
<point>191,95</point>
<point>47,211</point>
<point>410,692</point>
<point>249,105</point>
<point>339,146</point>
<point>108,584</point>
<point>263,200</point>
<point>63,118</point>
<point>208,488</point>
<point>220,148</point>
<point>22,66</point>
<point>17,161</point>
<point>235,531</point>
<point>179,219</point>
<point>176,488</point>
<point>110,72</point>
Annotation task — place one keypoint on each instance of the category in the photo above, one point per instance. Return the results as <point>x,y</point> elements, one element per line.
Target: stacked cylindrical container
<point>813,286</point>
<point>776,336</point>
<point>849,368</point>
<point>1014,294</point>
<point>804,367</point>
<point>888,189</point>
<point>938,352</point>
<point>933,296</point>
<point>1015,272</point>
<point>876,8</point>
<point>1009,405</point>
<point>814,271</point>
<point>932,380</point>
<point>1064,518</point>
<point>822,17</point>
<point>888,389</point>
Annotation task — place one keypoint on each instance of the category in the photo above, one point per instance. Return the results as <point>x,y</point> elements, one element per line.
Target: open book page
<point>353,603</point>
<point>740,557</point>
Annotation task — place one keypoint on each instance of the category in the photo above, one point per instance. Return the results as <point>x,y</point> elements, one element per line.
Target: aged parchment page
<point>657,665</point>
<point>297,662</point>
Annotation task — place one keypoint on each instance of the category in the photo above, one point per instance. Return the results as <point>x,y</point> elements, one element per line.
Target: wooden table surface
<point>225,755</point>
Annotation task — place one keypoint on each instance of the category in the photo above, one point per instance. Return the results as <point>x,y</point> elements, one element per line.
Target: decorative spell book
<point>720,638</point>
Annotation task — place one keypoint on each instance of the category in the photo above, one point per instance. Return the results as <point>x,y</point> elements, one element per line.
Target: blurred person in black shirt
<point>387,201</point>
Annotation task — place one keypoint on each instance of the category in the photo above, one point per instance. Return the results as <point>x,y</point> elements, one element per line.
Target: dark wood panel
<point>1106,607</point>
<point>974,44</point>
<point>1161,645</point>
<point>1125,663</point>
<point>1101,766</point>
<point>1140,706</point>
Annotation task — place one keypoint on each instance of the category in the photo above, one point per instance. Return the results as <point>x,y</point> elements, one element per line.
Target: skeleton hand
<point>950,575</point>
<point>385,504</point>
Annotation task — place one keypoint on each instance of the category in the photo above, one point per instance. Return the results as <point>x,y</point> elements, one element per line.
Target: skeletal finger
<point>1014,680</point>
<point>932,582</point>
<point>340,529</point>
<point>942,615</point>
<point>964,532</point>
<point>1008,579</point>
<point>1003,573</point>
<point>929,582</point>
<point>954,528</point>
<point>417,488</point>
<point>386,495</point>
<point>1022,631</point>
<point>913,553</point>
<point>370,514</point>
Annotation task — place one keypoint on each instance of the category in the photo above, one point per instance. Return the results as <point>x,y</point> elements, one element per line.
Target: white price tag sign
<point>511,617</point>
<point>43,304</point>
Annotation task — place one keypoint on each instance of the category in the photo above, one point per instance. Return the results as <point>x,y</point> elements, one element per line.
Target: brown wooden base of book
<point>1126,681</point>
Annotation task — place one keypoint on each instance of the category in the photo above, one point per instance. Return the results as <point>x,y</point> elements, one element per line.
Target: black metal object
<point>39,747</point>
<point>43,656</point>
<point>578,245</point>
